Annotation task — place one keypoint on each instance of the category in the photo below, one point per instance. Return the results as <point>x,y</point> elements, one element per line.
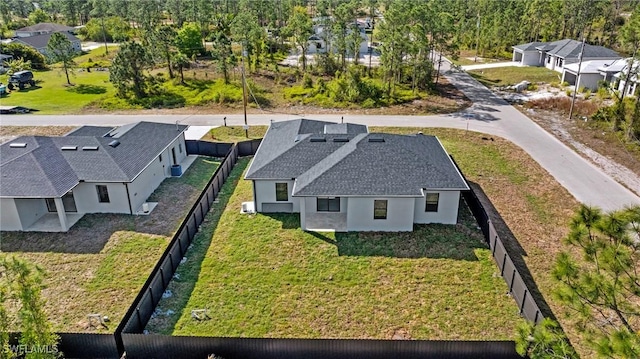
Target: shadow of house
<point>514,250</point>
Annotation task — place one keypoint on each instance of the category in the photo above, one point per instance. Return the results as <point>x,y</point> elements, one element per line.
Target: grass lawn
<point>235,133</point>
<point>101,263</point>
<point>504,76</point>
<point>53,96</point>
<point>264,277</point>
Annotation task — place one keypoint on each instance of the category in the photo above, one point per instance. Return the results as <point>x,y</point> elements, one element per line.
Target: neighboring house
<point>4,58</point>
<point>633,89</point>
<point>591,73</point>
<point>43,28</point>
<point>340,177</point>
<point>555,55</point>
<point>49,183</point>
<point>39,42</point>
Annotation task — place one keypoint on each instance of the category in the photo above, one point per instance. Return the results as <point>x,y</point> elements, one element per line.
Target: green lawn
<point>504,76</point>
<point>53,96</point>
<point>102,262</point>
<point>261,276</point>
<point>235,133</point>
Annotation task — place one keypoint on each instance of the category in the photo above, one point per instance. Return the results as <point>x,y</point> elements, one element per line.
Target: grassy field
<point>53,96</point>
<point>101,263</point>
<point>263,276</point>
<point>504,76</point>
<point>235,133</point>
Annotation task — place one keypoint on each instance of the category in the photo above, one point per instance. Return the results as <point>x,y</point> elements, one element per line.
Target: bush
<point>115,28</point>
<point>307,81</point>
<point>587,93</point>
<point>27,53</point>
<point>569,93</point>
<point>162,100</point>
<point>564,84</point>
<point>603,93</point>
<point>604,114</point>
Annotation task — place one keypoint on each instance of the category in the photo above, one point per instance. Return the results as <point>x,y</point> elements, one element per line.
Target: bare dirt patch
<point>8,133</point>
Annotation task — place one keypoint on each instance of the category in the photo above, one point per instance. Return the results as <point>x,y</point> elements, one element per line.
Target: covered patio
<point>326,222</point>
<point>50,222</point>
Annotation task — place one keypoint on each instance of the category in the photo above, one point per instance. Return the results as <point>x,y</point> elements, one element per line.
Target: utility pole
<point>104,36</point>
<point>575,90</point>
<point>244,96</point>
<point>373,26</point>
<point>475,58</point>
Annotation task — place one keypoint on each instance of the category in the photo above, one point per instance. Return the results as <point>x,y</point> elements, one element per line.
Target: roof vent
<point>376,139</point>
<point>340,139</point>
<point>114,143</point>
<point>69,148</point>
<point>298,138</point>
<point>18,145</point>
<point>90,148</point>
<point>317,139</point>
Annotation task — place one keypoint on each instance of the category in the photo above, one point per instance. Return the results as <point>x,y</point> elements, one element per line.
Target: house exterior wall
<point>265,192</point>
<point>87,201</point>
<point>9,217</point>
<point>589,81</point>
<point>632,88</point>
<point>156,172</point>
<point>30,210</point>
<point>400,213</point>
<point>447,209</point>
<point>527,58</point>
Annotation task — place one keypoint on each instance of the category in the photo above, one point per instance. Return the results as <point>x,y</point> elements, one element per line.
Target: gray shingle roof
<point>569,48</point>
<point>46,26</point>
<point>41,41</point>
<point>42,169</point>
<point>402,165</point>
<point>531,46</point>
<point>97,131</point>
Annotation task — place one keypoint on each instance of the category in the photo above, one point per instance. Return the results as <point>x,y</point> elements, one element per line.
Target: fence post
<point>139,319</point>
<point>513,278</point>
<point>171,257</point>
<point>524,298</point>
<point>151,295</point>
<point>504,262</point>
<point>162,276</point>
<point>495,242</point>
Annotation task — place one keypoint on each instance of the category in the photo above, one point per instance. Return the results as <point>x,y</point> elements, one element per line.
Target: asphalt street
<point>489,114</point>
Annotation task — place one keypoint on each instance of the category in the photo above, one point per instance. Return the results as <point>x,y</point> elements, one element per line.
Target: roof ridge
<point>333,159</point>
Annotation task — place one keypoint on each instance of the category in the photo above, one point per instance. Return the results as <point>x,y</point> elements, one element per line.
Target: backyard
<point>101,263</point>
<point>260,275</point>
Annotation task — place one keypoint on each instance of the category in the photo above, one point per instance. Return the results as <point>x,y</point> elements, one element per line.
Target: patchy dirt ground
<point>10,132</point>
<point>594,141</point>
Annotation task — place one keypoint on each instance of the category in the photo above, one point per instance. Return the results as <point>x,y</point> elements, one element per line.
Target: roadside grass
<point>505,76</point>
<point>262,276</point>
<point>235,133</point>
<point>101,263</point>
<point>52,95</point>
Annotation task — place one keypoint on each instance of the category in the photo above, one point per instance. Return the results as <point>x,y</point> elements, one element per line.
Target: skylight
<point>69,148</point>
<point>18,145</point>
<point>90,148</point>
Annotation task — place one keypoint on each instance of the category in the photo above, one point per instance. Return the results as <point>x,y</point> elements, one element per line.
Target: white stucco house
<point>557,54</point>
<point>591,73</point>
<point>340,177</point>
<point>49,183</point>
<point>619,79</point>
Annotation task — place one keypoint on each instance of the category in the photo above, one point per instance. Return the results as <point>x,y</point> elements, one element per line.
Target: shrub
<point>307,81</point>
<point>603,114</point>
<point>26,53</point>
<point>603,93</point>
<point>564,84</point>
<point>569,93</point>
<point>587,93</point>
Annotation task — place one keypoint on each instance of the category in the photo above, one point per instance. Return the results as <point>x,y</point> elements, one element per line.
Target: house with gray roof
<point>40,42</point>
<point>340,177</point>
<point>43,28</point>
<point>48,183</point>
<point>556,54</point>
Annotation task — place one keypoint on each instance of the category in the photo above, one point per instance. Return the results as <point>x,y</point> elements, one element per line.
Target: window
<point>160,158</point>
<point>380,209</point>
<point>180,147</point>
<point>282,192</point>
<point>328,204</point>
<point>103,193</point>
<point>432,202</point>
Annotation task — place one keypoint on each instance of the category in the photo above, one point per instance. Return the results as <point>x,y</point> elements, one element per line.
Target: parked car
<point>21,79</point>
<point>3,89</point>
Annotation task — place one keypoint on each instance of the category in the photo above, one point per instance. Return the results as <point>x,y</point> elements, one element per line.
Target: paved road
<point>489,114</point>
<point>489,65</point>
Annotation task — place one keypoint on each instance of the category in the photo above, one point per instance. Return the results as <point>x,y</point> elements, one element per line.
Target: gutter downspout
<point>126,186</point>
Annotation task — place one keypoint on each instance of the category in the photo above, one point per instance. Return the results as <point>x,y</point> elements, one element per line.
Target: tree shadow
<point>514,249</point>
<point>87,89</point>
